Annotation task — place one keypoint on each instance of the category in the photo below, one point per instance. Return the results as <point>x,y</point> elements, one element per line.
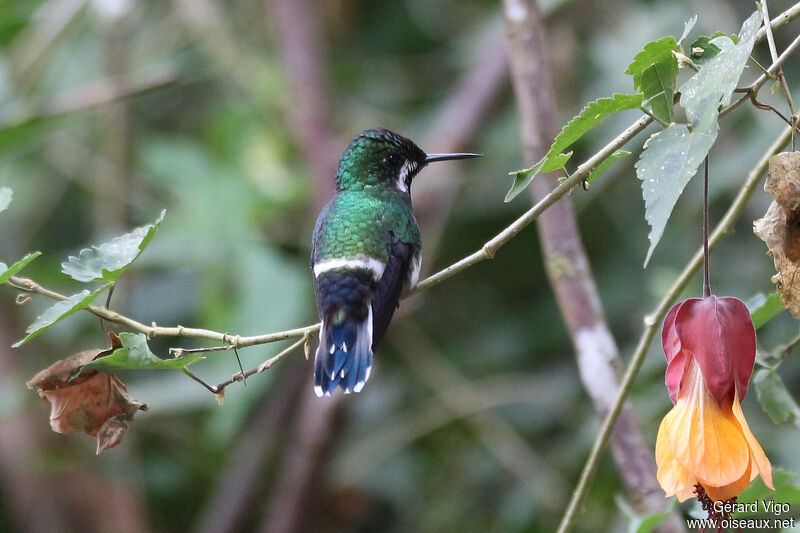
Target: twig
<point>761,80</point>
<point>242,375</point>
<point>172,331</point>
<point>781,76</point>
<point>653,320</point>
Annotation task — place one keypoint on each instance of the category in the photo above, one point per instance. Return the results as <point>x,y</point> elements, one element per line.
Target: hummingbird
<point>366,251</point>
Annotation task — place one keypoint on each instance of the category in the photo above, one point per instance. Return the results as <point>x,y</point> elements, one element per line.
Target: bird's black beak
<point>432,158</point>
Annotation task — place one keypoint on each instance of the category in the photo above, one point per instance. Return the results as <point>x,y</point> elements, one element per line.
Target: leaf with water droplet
<point>60,311</point>
<point>669,162</point>
<point>722,73</point>
<point>110,259</point>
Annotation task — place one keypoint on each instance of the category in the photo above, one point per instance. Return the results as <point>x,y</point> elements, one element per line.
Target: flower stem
<point>706,284</point>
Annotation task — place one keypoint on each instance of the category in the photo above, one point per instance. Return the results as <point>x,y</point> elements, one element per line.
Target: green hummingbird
<point>366,251</point>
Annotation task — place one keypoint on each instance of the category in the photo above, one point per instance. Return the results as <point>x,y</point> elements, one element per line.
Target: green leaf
<point>722,73</point>
<point>654,72</point>
<point>669,161</point>
<point>590,116</point>
<point>6,272</point>
<point>59,311</point>
<point>135,354</point>
<point>707,47</point>
<point>604,164</point>
<point>5,198</point>
<point>522,178</point>
<point>764,308</point>
<point>786,491</point>
<point>774,398</point>
<point>109,260</point>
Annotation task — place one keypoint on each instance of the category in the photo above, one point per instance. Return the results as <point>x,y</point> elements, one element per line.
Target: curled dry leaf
<point>780,227</point>
<point>94,402</point>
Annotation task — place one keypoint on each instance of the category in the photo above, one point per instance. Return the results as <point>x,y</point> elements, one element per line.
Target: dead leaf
<point>94,402</point>
<point>780,227</point>
<point>111,432</point>
<point>65,369</point>
<point>783,179</point>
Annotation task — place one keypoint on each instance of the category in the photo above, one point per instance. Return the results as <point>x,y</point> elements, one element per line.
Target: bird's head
<point>380,159</point>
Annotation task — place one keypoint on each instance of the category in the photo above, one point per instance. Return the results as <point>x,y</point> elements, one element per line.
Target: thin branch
<point>761,80</point>
<point>781,76</point>
<point>653,320</point>
<point>154,330</point>
<point>242,375</point>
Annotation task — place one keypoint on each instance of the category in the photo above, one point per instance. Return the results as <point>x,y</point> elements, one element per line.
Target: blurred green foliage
<point>111,111</point>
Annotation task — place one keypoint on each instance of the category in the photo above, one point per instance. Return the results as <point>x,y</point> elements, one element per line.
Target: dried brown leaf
<point>96,403</point>
<point>780,227</point>
<point>61,371</point>
<point>783,179</point>
<point>111,432</point>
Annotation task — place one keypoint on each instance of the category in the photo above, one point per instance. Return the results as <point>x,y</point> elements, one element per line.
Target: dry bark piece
<point>780,227</point>
<point>94,402</point>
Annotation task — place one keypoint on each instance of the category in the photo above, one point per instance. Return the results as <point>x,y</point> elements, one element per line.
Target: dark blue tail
<point>344,355</point>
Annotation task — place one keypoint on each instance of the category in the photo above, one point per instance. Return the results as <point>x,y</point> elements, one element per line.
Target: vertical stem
<point>706,284</point>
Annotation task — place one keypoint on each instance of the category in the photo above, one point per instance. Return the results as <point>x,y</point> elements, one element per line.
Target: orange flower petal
<point>704,438</point>
<point>757,456</point>
<point>674,478</point>
<point>729,491</point>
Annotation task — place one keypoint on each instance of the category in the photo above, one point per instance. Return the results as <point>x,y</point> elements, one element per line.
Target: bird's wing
<point>387,294</point>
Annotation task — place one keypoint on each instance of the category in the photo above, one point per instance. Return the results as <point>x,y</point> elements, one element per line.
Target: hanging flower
<point>704,445</point>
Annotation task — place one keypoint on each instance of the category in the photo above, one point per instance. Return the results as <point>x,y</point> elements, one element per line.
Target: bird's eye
<point>392,160</point>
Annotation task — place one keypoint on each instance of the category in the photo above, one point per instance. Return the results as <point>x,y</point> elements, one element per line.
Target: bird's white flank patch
<point>368,263</point>
<point>416,265</point>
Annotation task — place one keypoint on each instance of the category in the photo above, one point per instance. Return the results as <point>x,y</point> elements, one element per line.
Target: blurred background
<point>231,115</point>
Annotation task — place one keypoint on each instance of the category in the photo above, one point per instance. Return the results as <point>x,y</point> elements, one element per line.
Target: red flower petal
<point>719,333</point>
<point>676,360</point>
